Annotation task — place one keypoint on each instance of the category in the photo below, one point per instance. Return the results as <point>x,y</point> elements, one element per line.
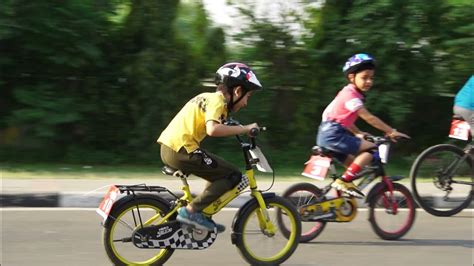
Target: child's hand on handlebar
<point>394,135</point>
<point>362,134</point>
<point>249,127</point>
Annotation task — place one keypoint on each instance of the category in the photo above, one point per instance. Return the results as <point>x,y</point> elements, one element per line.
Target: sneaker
<point>198,220</point>
<point>220,227</point>
<point>347,187</point>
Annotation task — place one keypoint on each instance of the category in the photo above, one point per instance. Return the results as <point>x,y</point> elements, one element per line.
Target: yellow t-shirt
<point>188,127</point>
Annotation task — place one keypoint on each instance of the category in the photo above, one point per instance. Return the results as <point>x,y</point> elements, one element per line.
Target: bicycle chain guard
<point>334,210</point>
<point>173,235</point>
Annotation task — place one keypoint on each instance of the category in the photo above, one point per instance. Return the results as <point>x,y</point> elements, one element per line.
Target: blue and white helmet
<point>237,74</point>
<point>357,63</point>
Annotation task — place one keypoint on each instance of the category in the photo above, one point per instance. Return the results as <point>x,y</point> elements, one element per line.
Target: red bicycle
<point>391,205</point>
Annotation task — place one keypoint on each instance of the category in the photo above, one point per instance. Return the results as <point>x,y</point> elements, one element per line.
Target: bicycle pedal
<point>193,228</point>
<point>188,226</point>
<point>354,194</point>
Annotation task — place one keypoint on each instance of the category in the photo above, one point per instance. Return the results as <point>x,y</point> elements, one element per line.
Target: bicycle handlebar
<point>380,139</point>
<point>376,139</point>
<point>254,131</point>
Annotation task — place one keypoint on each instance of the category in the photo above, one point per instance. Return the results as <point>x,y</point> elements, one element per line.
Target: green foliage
<point>97,81</point>
<point>50,51</point>
<point>420,52</point>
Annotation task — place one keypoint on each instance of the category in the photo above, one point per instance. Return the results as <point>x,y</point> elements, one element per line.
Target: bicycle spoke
<point>124,240</point>
<point>303,195</point>
<point>118,234</point>
<point>259,244</point>
<point>392,212</point>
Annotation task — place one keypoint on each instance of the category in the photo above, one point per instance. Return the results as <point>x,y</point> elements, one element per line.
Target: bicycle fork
<point>389,200</point>
<point>266,225</point>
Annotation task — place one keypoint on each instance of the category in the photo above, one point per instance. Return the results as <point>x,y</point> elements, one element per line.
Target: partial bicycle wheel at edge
<point>264,247</point>
<point>117,234</point>
<point>433,176</point>
<point>304,194</point>
<point>392,214</point>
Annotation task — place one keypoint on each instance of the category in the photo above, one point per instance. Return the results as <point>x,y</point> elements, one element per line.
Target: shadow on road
<point>467,215</point>
<point>403,242</point>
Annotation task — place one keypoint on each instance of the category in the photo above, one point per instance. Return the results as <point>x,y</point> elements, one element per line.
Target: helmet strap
<point>231,103</point>
<point>238,100</point>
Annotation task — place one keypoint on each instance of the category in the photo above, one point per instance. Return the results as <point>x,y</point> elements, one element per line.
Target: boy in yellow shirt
<point>204,116</point>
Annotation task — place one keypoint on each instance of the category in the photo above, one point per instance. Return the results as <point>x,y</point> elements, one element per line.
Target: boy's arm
<point>215,129</point>
<point>357,132</point>
<point>374,121</point>
<point>379,124</point>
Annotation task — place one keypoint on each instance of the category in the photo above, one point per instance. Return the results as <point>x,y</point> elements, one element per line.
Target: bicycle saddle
<point>317,150</point>
<point>168,170</point>
<point>458,117</point>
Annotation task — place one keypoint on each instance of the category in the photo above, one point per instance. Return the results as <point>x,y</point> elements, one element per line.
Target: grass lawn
<point>71,171</point>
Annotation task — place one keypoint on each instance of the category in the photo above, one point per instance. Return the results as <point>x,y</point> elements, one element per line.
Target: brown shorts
<point>221,175</point>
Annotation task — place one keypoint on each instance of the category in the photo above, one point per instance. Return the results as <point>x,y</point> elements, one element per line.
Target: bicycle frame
<point>457,132</point>
<point>318,206</point>
<point>451,169</point>
<point>368,175</point>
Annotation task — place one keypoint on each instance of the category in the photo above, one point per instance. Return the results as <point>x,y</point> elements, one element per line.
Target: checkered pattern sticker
<point>181,239</point>
<point>244,182</point>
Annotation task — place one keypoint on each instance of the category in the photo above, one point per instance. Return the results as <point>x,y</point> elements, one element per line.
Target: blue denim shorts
<point>333,136</point>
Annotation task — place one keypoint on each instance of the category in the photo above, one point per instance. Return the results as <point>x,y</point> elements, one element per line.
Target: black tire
<point>250,238</point>
<point>400,213</point>
<point>430,165</point>
<point>304,194</point>
<point>121,253</point>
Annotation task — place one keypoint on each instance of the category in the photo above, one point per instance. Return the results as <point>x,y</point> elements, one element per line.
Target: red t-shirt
<point>343,109</point>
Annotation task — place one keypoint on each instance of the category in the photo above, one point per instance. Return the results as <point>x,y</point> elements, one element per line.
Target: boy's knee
<point>234,179</point>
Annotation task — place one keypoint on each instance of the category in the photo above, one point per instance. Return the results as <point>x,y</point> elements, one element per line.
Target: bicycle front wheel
<point>119,228</point>
<point>441,180</point>
<point>392,213</point>
<point>267,246</point>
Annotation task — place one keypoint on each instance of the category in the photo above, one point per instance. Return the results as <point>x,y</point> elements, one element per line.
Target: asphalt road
<point>70,237</point>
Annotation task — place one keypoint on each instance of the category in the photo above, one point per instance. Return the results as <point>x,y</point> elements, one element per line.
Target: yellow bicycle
<point>141,227</point>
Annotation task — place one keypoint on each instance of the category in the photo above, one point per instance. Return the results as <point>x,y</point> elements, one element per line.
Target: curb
<point>92,200</point>
<point>77,200</point>
<point>30,200</point>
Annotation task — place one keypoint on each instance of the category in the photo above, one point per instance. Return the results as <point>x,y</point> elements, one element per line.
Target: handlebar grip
<point>401,138</point>
<point>369,138</point>
<point>254,132</point>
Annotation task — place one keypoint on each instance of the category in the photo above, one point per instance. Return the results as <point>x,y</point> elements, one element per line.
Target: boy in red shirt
<point>338,132</point>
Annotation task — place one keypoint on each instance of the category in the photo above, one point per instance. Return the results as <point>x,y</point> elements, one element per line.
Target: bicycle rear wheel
<point>392,215</point>
<point>434,176</point>
<point>304,194</point>
<point>267,246</point>
<point>118,231</point>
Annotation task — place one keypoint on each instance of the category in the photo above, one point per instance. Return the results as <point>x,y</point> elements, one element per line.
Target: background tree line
<point>88,81</point>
